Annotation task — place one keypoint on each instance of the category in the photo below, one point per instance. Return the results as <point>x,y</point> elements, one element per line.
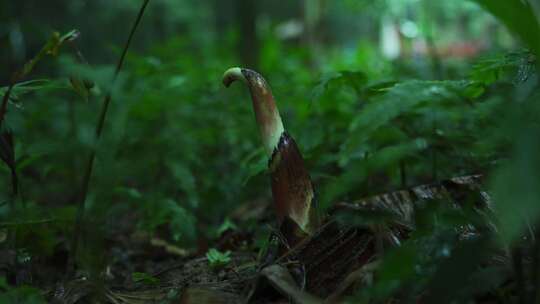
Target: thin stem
<point>5,100</point>
<point>434,55</point>
<point>99,130</point>
<point>12,167</point>
<point>367,183</point>
<point>536,267</point>
<point>14,182</point>
<point>436,63</point>
<point>434,149</point>
<point>403,174</point>
<point>517,259</point>
<point>7,141</point>
<point>36,222</point>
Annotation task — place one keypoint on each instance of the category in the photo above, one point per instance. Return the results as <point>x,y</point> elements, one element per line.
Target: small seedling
<point>144,278</point>
<point>217,259</point>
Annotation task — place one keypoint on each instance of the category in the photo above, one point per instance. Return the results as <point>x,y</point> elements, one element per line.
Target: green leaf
<point>182,223</point>
<point>217,259</point>
<point>145,278</point>
<point>3,283</point>
<point>186,181</point>
<point>80,87</point>
<point>454,274</point>
<point>51,48</point>
<point>254,164</point>
<point>400,99</point>
<point>357,171</point>
<point>519,17</point>
<point>519,65</point>
<point>25,87</point>
<point>397,267</point>
<point>353,79</point>
<point>22,294</point>
<point>515,188</point>
<point>226,225</point>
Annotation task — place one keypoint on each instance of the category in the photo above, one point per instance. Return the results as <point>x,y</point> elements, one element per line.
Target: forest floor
<point>326,267</point>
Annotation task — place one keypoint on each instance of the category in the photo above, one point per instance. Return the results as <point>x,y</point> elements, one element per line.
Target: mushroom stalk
<point>292,189</point>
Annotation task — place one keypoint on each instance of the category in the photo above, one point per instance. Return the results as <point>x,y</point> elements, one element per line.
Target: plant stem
<point>367,183</point>
<point>434,56</point>
<point>5,100</point>
<point>14,182</point>
<point>535,294</point>
<point>434,149</point>
<point>517,260</point>
<point>35,222</point>
<point>99,130</point>
<point>403,174</point>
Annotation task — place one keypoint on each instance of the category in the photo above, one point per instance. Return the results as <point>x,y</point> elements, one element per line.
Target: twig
<point>36,222</point>
<point>92,156</point>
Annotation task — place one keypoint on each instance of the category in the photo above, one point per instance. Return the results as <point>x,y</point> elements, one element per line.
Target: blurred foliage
<point>21,294</point>
<point>180,154</point>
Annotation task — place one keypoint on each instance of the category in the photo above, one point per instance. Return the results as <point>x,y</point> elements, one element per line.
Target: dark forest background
<point>379,95</point>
